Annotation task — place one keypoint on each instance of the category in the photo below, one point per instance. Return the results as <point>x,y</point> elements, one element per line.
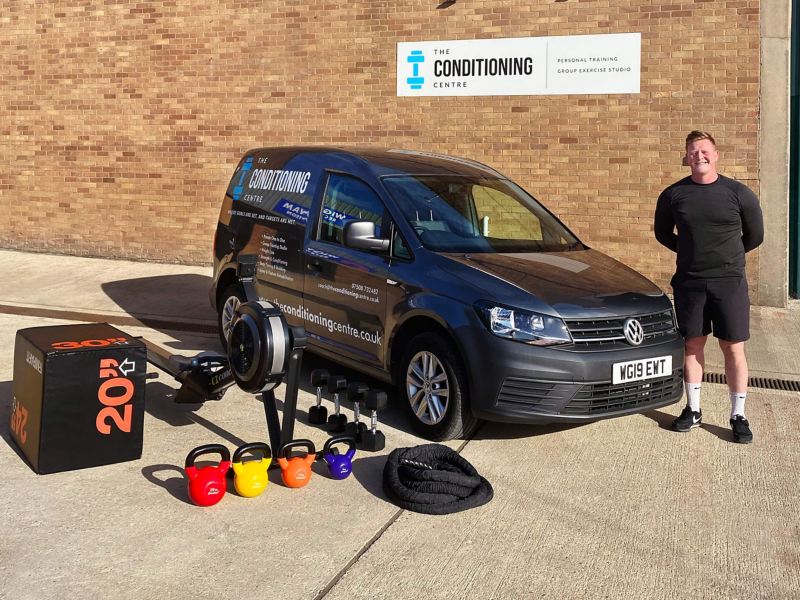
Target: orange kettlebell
<point>296,470</point>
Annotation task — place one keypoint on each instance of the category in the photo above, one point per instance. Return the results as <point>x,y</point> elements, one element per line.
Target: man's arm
<point>752,220</point>
<point>664,224</point>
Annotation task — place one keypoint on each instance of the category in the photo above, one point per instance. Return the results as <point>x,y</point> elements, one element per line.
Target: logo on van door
<point>237,191</point>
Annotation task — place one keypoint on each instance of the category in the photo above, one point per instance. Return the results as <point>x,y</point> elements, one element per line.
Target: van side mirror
<point>361,234</point>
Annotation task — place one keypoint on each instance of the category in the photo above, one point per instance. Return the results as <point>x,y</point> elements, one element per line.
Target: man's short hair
<point>696,136</point>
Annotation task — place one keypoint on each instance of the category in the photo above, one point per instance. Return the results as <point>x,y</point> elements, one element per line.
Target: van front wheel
<point>434,386</point>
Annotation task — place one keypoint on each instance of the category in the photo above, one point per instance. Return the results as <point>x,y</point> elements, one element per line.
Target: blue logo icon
<point>237,191</point>
<point>415,57</point>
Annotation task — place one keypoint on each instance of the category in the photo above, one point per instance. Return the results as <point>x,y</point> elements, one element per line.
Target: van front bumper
<point>514,382</point>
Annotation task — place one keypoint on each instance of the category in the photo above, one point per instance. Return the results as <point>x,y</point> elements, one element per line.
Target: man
<point>718,220</point>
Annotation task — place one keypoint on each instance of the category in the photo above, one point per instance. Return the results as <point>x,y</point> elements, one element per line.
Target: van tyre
<point>433,386</point>
<point>228,302</point>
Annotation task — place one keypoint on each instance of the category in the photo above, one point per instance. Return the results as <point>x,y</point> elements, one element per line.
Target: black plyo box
<point>78,396</point>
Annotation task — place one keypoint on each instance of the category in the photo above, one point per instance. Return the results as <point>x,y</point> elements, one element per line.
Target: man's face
<point>702,156</point>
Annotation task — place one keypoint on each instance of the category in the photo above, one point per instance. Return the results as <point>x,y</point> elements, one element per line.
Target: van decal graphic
<point>279,180</point>
<point>301,312</point>
<point>356,291</point>
<point>237,191</point>
<point>335,217</point>
<point>292,210</point>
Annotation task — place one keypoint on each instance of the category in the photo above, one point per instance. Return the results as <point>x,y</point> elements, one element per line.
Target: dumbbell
<point>318,414</point>
<point>372,439</point>
<point>356,393</point>
<point>337,421</point>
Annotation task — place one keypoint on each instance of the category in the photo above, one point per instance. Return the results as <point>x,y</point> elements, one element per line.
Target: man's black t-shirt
<point>716,224</point>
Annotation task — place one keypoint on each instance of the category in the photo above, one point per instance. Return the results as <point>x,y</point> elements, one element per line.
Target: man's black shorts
<point>721,306</point>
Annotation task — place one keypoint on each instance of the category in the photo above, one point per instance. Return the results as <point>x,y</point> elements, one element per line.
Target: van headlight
<point>523,326</point>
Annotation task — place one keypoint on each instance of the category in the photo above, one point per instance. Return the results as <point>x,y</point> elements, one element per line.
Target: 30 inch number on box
<point>78,396</point>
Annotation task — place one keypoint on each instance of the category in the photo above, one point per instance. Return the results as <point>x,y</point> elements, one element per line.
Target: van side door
<point>345,288</point>
<point>273,201</point>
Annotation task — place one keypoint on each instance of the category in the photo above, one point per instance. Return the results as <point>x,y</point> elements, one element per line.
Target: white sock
<point>737,403</point>
<point>692,395</point>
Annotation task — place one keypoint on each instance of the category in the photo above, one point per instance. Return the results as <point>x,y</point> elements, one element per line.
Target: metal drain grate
<point>766,383</point>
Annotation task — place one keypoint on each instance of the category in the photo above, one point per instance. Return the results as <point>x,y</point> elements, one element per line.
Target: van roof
<point>392,161</point>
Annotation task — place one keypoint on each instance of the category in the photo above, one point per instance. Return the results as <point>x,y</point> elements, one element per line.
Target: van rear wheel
<point>433,385</point>
<point>231,298</point>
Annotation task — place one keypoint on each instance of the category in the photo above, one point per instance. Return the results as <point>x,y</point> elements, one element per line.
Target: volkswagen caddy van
<point>443,277</point>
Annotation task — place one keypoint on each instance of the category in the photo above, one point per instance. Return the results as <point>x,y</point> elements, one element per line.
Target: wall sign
<point>573,64</point>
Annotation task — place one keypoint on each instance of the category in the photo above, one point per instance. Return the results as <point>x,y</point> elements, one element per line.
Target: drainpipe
<point>794,157</point>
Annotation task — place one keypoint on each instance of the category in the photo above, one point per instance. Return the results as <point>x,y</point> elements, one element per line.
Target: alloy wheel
<point>228,311</point>
<point>427,387</point>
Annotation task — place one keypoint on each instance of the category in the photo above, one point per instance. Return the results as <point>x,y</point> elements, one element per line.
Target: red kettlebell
<point>207,485</point>
<point>296,470</point>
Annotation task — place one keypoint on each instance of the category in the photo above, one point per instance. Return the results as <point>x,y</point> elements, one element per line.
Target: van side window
<point>399,248</point>
<point>348,199</point>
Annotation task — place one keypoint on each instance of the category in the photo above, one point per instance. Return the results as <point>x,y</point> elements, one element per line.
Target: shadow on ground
<point>161,405</point>
<point>508,431</point>
<point>168,303</point>
<point>664,421</point>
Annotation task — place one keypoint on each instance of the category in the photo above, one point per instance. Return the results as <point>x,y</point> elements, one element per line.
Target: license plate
<point>639,370</point>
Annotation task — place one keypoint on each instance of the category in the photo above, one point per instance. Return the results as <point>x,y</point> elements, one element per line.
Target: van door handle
<point>314,266</point>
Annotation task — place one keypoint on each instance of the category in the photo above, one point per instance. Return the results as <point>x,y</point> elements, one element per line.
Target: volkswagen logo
<point>633,332</point>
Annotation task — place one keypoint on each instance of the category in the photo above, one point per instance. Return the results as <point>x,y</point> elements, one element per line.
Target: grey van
<point>445,278</point>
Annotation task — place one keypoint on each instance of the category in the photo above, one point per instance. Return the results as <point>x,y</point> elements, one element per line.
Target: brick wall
<point>121,122</point>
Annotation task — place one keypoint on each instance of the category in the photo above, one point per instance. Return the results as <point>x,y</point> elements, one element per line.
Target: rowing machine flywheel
<point>259,347</point>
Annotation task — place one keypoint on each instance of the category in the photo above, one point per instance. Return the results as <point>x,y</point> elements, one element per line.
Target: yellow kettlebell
<point>250,478</point>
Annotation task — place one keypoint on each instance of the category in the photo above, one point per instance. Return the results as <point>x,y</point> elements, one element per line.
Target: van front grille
<point>546,396</point>
<point>589,399</point>
<point>597,333</point>
<point>600,398</point>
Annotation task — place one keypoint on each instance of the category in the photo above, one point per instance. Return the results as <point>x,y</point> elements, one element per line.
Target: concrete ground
<point>623,508</point>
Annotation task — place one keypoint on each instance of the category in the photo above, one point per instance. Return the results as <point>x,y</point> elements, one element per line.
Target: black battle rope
<point>433,479</point>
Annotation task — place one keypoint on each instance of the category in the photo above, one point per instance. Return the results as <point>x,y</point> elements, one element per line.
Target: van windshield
<point>466,214</point>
